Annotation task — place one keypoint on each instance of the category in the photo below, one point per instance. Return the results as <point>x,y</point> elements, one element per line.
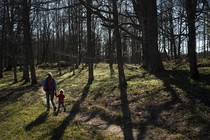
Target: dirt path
<point>101,125</point>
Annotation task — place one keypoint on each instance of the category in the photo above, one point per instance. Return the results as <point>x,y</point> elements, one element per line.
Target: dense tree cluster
<point>34,32</point>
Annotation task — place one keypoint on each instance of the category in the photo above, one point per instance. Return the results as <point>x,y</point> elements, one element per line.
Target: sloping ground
<point>168,106</point>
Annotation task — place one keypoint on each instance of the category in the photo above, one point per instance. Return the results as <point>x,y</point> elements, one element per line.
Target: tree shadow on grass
<point>198,100</point>
<point>38,121</point>
<point>12,94</point>
<point>155,110</point>
<point>127,126</point>
<point>59,131</point>
<point>194,93</point>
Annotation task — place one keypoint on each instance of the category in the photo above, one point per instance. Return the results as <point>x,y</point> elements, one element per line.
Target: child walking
<point>61,97</point>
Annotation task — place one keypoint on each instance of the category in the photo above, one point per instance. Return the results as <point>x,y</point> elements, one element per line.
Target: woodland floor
<point>168,106</point>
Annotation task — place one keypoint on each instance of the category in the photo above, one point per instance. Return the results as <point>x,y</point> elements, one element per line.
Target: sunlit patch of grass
<point>102,73</point>
<point>103,88</point>
<point>204,70</point>
<point>204,61</point>
<point>176,64</point>
<point>77,131</point>
<point>16,115</point>
<point>23,116</point>
<point>138,87</point>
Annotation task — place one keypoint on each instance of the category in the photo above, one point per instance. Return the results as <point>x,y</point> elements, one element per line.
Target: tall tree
<point>2,39</point>
<point>9,29</point>
<point>110,46</point>
<point>127,128</point>
<point>191,17</point>
<point>148,17</point>
<point>172,36</point>
<point>27,40</point>
<point>11,9</point>
<point>118,44</point>
<point>1,60</point>
<point>89,44</point>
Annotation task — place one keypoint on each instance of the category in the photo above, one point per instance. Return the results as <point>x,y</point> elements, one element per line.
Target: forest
<point>130,69</point>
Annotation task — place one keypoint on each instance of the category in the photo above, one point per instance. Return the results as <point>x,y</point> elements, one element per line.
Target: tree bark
<point>118,43</point>
<point>147,16</point>
<point>110,52</point>
<point>151,36</point>
<point>143,18</point>
<point>1,60</point>
<point>11,45</point>
<point>204,36</point>
<point>127,125</point>
<point>191,17</point>
<point>89,45</point>
<point>172,36</point>
<point>10,18</point>
<point>180,24</point>
<point>110,46</point>
<point>3,42</point>
<point>27,40</point>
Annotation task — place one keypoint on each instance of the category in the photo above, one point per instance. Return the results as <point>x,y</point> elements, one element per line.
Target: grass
<point>167,106</point>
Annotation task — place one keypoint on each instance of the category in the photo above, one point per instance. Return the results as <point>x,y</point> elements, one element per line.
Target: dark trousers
<point>61,103</point>
<point>50,97</point>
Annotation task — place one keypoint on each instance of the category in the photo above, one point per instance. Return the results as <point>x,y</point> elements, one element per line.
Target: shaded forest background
<point>37,36</point>
<point>73,32</point>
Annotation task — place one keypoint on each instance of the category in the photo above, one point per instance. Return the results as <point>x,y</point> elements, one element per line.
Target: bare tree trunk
<point>11,45</point>
<point>111,46</point>
<point>151,36</point>
<point>89,45</point>
<point>180,36</point>
<point>27,40</point>
<point>143,15</point>
<point>14,67</point>
<point>9,15</point>
<point>204,36</point>
<point>3,42</point>
<point>80,44</point>
<point>146,11</point>
<point>110,52</point>
<point>118,43</point>
<point>191,17</point>
<point>127,125</point>
<point>1,59</point>
<point>25,65</point>
<point>172,37</point>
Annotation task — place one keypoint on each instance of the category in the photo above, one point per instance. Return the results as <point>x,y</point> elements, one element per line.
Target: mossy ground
<point>164,106</point>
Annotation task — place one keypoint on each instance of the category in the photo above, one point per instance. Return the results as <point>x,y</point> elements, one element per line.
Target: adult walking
<point>49,85</point>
